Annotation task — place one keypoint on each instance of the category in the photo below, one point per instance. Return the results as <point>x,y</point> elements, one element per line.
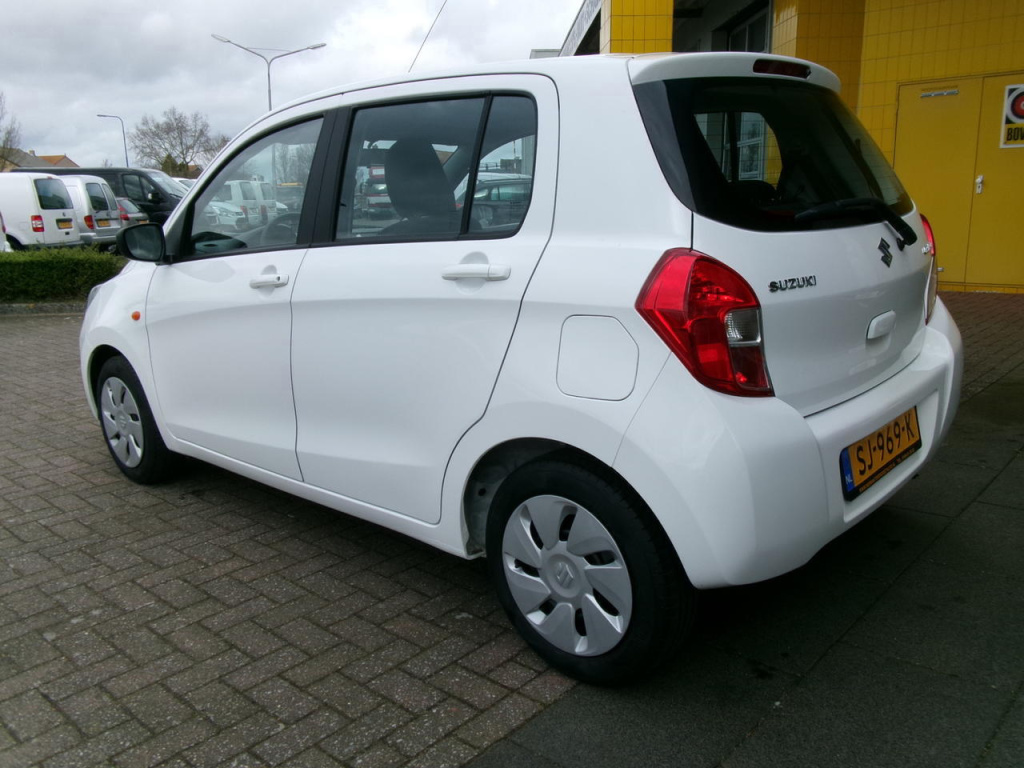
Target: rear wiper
<point>857,205</point>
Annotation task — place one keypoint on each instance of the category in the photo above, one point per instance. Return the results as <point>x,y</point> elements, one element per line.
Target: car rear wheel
<point>129,430</point>
<point>585,573</point>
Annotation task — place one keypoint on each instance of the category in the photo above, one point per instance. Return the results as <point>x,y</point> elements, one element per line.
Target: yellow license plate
<point>64,224</point>
<point>865,462</point>
<point>102,222</point>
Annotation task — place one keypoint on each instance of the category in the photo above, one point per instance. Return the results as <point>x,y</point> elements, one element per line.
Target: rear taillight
<point>124,214</point>
<point>90,223</point>
<point>710,318</point>
<point>37,224</point>
<point>933,273</point>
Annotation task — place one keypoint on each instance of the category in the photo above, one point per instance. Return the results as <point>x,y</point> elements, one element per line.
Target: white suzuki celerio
<point>695,339</point>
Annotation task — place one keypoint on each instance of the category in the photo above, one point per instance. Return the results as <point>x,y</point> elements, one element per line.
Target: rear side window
<point>409,168</point>
<point>96,196</point>
<point>52,194</point>
<point>756,152</point>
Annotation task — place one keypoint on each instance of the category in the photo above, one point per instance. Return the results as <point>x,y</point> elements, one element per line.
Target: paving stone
<point>498,721</point>
<point>282,700</point>
<point>94,711</point>
<point>363,733</point>
<point>221,704</point>
<point>348,697</point>
<point>29,715</point>
<point>372,665</point>
<point>469,686</point>
<point>157,708</point>
<point>300,736</point>
<point>231,745</point>
<point>430,727</point>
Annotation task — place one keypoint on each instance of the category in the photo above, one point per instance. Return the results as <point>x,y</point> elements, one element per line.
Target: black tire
<point>129,431</point>
<point>628,597</point>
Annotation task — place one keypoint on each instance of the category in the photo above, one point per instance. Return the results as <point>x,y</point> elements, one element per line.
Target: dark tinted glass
<point>53,196</point>
<point>96,196</point>
<point>755,152</point>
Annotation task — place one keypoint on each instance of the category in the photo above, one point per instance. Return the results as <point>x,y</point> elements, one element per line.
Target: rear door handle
<point>478,271</point>
<point>269,281</point>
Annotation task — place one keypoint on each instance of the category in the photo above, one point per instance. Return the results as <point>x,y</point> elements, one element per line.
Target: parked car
<point>96,211</point>
<point>38,210</point>
<point>226,217</point>
<point>498,198</point>
<point>618,397</point>
<point>130,213</point>
<point>151,190</point>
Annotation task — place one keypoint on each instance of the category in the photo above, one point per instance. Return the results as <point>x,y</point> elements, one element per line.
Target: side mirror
<point>142,242</point>
<point>155,197</point>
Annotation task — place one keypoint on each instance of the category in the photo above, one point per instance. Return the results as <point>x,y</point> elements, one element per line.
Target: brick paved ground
<point>214,622</point>
<point>992,326</point>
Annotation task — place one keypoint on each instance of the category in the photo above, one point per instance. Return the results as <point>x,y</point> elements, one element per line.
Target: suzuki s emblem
<point>883,246</point>
<point>564,574</point>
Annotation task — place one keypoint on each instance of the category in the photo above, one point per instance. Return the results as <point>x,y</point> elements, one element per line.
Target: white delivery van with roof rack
<point>38,211</point>
<point>702,343</point>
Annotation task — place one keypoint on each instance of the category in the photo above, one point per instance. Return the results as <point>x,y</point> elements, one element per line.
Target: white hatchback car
<point>707,343</point>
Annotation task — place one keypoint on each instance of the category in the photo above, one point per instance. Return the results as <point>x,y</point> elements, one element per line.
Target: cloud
<point>122,58</point>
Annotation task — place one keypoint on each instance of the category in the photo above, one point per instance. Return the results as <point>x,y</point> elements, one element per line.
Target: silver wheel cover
<point>567,575</point>
<point>122,423</point>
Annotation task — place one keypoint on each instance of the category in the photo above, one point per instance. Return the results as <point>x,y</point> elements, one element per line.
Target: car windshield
<point>167,184</point>
<point>756,152</point>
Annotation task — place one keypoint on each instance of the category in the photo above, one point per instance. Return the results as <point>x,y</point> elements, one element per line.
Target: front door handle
<point>269,281</point>
<point>478,271</point>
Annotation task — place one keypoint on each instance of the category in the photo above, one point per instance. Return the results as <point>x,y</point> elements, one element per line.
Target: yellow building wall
<point>828,32</point>
<point>876,45</point>
<point>914,40</point>
<point>637,26</point>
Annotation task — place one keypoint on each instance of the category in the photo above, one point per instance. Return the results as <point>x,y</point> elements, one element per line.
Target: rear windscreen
<point>52,194</point>
<point>755,152</point>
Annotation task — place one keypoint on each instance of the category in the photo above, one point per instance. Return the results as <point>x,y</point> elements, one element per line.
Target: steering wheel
<point>283,230</point>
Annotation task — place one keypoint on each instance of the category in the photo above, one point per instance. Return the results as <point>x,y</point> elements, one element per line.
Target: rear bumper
<point>748,489</point>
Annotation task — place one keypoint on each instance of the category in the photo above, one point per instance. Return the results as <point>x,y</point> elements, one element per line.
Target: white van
<point>251,198</point>
<point>98,217</point>
<point>37,211</point>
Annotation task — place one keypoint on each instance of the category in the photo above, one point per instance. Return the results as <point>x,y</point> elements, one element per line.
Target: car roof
<point>639,68</point>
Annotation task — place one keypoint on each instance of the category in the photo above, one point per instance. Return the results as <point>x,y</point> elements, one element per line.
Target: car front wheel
<point>129,430</point>
<point>585,573</point>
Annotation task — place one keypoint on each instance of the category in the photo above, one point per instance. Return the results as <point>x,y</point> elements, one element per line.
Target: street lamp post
<point>124,138</point>
<point>269,60</point>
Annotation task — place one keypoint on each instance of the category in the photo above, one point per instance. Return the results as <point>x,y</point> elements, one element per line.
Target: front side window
<point>756,153</point>
<point>52,194</point>
<point>133,187</point>
<point>409,166</point>
<point>228,216</point>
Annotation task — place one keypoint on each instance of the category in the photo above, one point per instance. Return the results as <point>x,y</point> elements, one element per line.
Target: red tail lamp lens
<point>711,320</point>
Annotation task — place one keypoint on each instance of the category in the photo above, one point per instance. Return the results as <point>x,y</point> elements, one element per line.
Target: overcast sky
<point>63,62</point>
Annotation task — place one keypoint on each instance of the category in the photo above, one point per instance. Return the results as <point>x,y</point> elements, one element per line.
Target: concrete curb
<point>44,308</point>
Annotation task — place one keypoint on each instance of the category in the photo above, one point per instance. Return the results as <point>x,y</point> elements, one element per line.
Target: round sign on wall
<point>1013,117</point>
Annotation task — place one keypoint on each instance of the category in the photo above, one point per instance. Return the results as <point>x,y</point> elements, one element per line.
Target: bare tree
<point>10,134</point>
<point>175,142</point>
